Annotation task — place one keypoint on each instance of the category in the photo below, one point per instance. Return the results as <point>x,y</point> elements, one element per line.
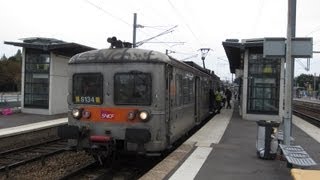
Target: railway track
<point>91,170</point>
<point>127,167</point>
<point>20,156</point>
<point>308,111</point>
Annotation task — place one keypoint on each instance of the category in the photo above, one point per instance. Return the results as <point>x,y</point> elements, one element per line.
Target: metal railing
<point>10,100</point>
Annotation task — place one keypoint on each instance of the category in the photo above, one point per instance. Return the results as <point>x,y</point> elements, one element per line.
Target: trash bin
<point>267,143</point>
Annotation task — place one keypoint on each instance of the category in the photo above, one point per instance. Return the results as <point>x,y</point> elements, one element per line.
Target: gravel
<point>54,167</point>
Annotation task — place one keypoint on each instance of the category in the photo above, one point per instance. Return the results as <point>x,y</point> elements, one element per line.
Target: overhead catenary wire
<point>307,68</point>
<point>111,15</point>
<point>163,33</point>
<point>257,18</point>
<point>117,18</point>
<point>108,13</point>
<point>185,23</point>
<point>141,26</point>
<point>313,31</point>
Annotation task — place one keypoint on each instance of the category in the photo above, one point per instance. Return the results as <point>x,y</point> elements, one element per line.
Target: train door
<point>168,101</point>
<point>197,100</point>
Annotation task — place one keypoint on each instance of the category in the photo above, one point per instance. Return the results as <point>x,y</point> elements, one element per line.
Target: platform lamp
<point>204,53</point>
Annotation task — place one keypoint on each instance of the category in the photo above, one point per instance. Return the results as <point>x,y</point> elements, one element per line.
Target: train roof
<point>193,64</point>
<point>119,55</point>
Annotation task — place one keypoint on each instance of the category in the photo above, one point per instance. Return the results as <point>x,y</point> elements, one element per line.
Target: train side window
<point>87,88</point>
<point>133,88</point>
<point>187,90</point>
<point>178,90</point>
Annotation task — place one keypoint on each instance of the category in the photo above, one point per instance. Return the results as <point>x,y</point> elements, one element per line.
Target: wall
<point>58,84</point>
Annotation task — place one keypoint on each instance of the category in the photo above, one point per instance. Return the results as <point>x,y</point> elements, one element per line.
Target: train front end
<point>115,106</point>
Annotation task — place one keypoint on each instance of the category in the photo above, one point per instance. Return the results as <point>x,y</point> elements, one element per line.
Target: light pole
<point>204,53</point>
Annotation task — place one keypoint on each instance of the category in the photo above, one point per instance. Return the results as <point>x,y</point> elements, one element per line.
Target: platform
<point>20,123</point>
<point>18,119</point>
<point>234,156</point>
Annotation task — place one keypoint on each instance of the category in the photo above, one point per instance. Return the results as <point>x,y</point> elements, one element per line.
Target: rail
<point>19,156</point>
<point>308,111</point>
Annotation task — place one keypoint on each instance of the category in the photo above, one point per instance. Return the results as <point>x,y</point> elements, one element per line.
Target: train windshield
<point>132,88</point>
<point>87,88</point>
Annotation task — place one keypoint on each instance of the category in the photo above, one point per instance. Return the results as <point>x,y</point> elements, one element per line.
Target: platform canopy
<point>272,47</point>
<point>52,45</point>
<point>233,50</point>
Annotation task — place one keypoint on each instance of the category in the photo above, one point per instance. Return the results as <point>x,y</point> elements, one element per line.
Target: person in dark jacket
<point>228,96</point>
<point>218,99</point>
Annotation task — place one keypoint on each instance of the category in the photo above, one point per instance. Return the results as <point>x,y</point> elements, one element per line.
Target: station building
<point>259,65</point>
<point>44,74</point>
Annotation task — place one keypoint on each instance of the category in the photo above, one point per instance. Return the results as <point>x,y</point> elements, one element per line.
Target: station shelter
<point>259,66</point>
<point>44,81</point>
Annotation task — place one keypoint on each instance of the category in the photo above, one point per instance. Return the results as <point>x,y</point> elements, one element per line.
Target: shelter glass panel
<point>37,70</point>
<point>263,84</point>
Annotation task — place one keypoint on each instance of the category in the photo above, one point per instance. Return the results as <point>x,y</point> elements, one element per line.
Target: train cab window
<point>132,88</point>
<point>87,88</point>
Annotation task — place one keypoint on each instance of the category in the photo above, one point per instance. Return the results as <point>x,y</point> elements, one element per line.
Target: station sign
<point>276,47</point>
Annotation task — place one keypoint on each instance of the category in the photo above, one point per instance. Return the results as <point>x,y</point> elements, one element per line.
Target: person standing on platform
<point>228,96</point>
<point>224,99</point>
<point>218,99</point>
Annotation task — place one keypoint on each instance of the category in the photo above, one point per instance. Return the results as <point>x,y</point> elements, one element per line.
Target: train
<point>134,100</point>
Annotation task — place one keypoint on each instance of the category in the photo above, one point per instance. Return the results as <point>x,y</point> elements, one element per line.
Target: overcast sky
<point>200,24</point>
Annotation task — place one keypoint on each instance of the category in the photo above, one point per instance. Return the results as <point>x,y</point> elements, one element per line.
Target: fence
<point>10,100</point>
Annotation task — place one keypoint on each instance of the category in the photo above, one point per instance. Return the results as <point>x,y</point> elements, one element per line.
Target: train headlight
<point>77,113</point>
<point>144,115</point>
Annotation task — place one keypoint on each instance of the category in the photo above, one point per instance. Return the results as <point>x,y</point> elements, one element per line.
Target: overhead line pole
<point>287,117</point>
<point>134,30</point>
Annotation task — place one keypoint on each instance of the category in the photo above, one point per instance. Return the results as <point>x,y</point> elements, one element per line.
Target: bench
<point>297,156</point>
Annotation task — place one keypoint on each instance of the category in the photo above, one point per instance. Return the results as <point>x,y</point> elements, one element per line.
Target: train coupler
<point>102,148</point>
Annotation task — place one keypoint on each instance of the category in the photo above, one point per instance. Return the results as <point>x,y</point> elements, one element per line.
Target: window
<point>263,84</point>
<point>88,88</point>
<point>132,88</point>
<point>178,90</point>
<point>37,70</point>
<point>187,89</point>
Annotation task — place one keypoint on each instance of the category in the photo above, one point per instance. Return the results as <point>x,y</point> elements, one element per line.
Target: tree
<point>10,72</point>
<point>304,80</point>
<point>3,58</point>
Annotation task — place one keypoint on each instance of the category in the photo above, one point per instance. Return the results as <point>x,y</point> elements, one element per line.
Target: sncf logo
<point>107,115</point>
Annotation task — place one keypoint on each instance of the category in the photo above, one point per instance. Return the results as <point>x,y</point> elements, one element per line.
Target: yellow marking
<point>77,99</point>
<point>98,100</point>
